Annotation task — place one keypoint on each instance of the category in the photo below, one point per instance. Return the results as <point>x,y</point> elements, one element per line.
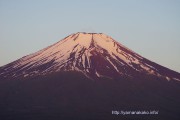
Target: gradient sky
<point>148,27</point>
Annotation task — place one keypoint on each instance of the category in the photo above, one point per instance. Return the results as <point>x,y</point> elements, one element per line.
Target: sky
<point>151,28</point>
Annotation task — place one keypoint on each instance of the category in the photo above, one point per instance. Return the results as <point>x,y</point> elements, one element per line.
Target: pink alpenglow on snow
<point>96,55</point>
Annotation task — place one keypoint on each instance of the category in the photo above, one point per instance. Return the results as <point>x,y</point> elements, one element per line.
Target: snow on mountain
<point>94,54</point>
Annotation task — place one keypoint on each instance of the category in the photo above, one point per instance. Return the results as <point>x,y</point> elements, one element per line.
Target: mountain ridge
<point>74,79</point>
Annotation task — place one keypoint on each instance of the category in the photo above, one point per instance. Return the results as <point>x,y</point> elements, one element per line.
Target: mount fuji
<point>96,55</point>
<point>88,76</point>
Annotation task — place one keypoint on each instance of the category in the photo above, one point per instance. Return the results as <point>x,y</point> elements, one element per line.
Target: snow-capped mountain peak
<point>94,54</point>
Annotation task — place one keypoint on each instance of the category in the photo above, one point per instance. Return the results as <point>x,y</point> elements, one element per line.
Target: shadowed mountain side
<point>71,95</point>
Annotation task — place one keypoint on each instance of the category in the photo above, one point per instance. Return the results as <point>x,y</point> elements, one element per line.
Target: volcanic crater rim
<point>89,33</point>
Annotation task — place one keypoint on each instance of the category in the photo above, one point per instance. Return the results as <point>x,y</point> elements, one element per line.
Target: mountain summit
<point>96,55</point>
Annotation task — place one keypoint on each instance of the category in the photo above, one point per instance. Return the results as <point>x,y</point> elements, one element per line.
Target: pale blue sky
<point>148,27</point>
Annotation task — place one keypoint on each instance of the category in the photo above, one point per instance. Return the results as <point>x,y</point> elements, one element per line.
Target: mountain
<point>88,76</point>
<point>94,54</point>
